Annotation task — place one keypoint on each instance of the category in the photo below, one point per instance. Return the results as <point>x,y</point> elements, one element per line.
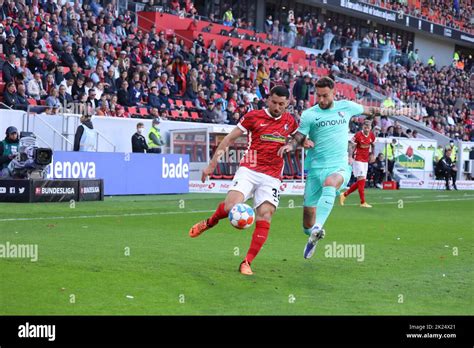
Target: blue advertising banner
<point>125,173</point>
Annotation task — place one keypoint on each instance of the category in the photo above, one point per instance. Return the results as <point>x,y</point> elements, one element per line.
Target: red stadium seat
<point>185,115</point>
<point>179,103</point>
<point>195,116</point>
<point>143,112</point>
<point>32,101</point>
<point>174,114</point>
<point>2,87</point>
<point>132,110</point>
<point>189,104</point>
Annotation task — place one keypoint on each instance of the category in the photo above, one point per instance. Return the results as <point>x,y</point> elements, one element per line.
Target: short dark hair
<point>280,91</point>
<point>324,82</point>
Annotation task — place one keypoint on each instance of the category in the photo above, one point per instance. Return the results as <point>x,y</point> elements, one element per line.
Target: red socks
<point>259,235</point>
<point>353,187</point>
<point>258,239</point>
<point>361,186</point>
<point>358,185</point>
<point>220,213</point>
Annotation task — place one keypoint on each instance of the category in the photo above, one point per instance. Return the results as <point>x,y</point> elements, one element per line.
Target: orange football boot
<point>198,229</point>
<point>245,268</point>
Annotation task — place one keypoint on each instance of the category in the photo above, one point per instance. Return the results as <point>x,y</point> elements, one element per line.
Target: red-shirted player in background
<point>260,170</point>
<point>363,141</point>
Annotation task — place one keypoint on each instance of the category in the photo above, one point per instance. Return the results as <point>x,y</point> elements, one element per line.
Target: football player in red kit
<point>260,170</point>
<point>363,142</point>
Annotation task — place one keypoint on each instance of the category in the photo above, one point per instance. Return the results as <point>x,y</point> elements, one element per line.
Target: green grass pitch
<point>133,256</point>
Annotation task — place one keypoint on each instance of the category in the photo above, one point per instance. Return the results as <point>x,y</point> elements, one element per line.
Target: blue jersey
<point>329,130</point>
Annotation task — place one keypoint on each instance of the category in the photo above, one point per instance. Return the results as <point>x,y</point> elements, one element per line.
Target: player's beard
<point>273,114</point>
<point>327,107</point>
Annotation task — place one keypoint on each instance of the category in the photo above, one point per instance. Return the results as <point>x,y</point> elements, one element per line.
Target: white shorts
<point>360,168</point>
<point>261,187</point>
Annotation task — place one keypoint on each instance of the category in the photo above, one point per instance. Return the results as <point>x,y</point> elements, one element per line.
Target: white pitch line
<point>196,211</point>
<point>106,216</point>
<point>412,197</point>
<point>442,196</point>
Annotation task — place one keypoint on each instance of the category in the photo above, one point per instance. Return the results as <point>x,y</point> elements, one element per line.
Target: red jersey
<point>266,135</point>
<point>363,143</point>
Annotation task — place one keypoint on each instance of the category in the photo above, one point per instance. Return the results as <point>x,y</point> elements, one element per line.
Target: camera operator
<point>447,168</point>
<point>138,140</point>
<point>9,147</point>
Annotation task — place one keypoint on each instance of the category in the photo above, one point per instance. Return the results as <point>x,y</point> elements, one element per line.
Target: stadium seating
<point>182,106</point>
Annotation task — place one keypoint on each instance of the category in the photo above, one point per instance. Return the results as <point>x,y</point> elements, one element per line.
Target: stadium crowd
<point>444,96</point>
<point>56,55</point>
<point>449,13</point>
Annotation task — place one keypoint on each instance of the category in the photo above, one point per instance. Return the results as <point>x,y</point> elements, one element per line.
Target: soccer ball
<point>241,216</point>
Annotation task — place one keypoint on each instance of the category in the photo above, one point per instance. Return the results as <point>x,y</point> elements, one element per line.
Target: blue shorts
<point>315,180</point>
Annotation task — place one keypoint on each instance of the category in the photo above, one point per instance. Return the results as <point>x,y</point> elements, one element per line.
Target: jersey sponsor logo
<point>263,124</point>
<point>341,113</point>
<point>331,123</point>
<point>277,138</point>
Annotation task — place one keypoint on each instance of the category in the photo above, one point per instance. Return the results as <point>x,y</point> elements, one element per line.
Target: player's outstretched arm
<point>220,151</point>
<point>371,111</point>
<point>298,139</point>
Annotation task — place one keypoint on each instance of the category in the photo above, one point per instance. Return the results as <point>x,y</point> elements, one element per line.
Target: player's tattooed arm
<point>351,151</point>
<point>296,140</point>
<point>371,111</point>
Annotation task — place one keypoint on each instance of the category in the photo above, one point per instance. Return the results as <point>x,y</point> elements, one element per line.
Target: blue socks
<point>325,204</point>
